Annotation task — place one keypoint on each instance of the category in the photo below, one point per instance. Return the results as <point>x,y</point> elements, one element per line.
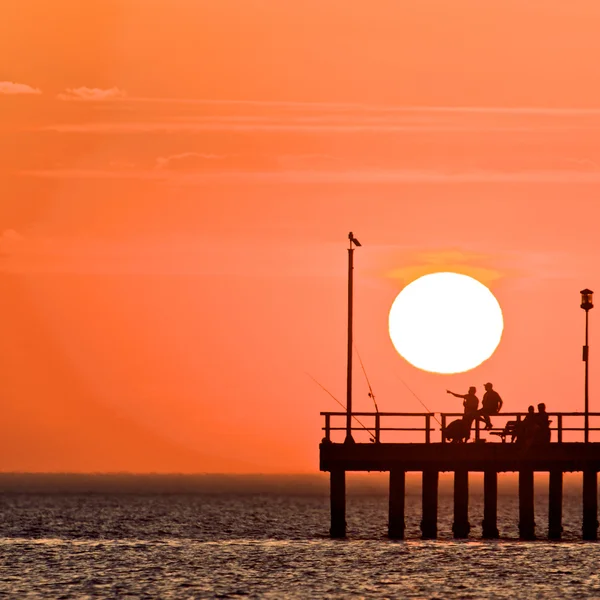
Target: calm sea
<point>275,546</point>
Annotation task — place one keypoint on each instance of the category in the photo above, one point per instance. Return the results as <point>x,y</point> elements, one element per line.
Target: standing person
<point>490,405</point>
<point>470,404</point>
<point>470,400</point>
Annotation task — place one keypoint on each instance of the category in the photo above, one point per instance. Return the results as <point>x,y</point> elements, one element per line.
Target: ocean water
<point>276,546</point>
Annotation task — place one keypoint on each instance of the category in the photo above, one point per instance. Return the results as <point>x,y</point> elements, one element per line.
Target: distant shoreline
<point>375,484</point>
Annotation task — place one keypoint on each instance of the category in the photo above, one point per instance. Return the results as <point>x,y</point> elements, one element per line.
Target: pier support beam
<point>396,515</point>
<point>338,504</point>
<point>555,495</point>
<point>526,512</point>
<point>490,505</point>
<point>461,526</point>
<point>590,505</point>
<point>430,505</point>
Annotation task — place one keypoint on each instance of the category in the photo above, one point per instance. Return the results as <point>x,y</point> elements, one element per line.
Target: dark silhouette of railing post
<point>555,495</point>
<point>526,510</point>
<point>396,508</point>
<point>328,427</point>
<point>590,505</point>
<point>490,505</point>
<point>461,525</point>
<point>338,503</point>
<point>430,504</point>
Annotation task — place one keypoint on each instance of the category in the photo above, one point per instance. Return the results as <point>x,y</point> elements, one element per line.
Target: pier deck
<point>567,456</point>
<point>487,452</point>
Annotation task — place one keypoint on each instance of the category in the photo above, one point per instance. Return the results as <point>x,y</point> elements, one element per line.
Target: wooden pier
<point>391,442</point>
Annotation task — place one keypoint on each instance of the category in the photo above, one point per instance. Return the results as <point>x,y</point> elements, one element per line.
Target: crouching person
<point>459,431</point>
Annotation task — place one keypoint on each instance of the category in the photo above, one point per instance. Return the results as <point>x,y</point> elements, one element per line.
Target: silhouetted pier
<point>403,442</point>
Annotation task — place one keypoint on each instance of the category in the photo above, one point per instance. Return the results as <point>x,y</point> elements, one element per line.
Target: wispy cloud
<point>187,160</point>
<point>11,88</point>
<point>418,263</point>
<point>327,176</point>
<point>337,107</point>
<point>180,254</point>
<point>423,120</point>
<point>10,236</point>
<point>245,125</point>
<point>86,94</point>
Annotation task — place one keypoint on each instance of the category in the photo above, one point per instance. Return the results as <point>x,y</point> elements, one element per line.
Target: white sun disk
<point>446,323</point>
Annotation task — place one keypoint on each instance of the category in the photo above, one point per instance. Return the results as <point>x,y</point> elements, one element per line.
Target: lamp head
<point>587,299</point>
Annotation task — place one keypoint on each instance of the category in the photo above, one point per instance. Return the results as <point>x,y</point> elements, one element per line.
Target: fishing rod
<point>371,394</point>
<point>417,397</point>
<point>328,392</point>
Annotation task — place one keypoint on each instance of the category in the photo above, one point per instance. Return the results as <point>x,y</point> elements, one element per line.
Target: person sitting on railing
<point>490,405</point>
<point>470,400</point>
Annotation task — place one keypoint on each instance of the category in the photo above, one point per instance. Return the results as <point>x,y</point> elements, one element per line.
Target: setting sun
<point>446,323</point>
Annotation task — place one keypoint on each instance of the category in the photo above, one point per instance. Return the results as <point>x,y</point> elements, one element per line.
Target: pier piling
<point>430,504</point>
<point>555,494</point>
<point>338,503</point>
<point>590,505</point>
<point>526,510</point>
<point>396,509</point>
<point>490,505</point>
<point>461,526</point>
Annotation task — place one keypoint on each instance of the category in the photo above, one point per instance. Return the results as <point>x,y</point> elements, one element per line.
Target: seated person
<point>542,433</point>
<point>491,405</point>
<point>527,427</point>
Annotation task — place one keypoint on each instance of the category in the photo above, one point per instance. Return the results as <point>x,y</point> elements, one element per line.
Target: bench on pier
<point>511,428</point>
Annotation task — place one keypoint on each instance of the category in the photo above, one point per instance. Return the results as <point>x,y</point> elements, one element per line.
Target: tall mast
<point>353,242</point>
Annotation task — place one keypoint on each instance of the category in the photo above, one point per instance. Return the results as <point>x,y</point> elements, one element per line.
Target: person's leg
<point>488,422</point>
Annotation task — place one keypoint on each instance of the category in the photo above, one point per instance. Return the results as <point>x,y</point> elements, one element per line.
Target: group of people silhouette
<point>534,428</point>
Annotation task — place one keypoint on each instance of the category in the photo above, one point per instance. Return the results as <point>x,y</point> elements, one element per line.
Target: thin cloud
<point>11,88</point>
<point>86,94</point>
<point>186,160</point>
<point>307,177</point>
<point>355,106</point>
<point>196,162</point>
<point>242,125</point>
<point>161,255</point>
<point>10,236</point>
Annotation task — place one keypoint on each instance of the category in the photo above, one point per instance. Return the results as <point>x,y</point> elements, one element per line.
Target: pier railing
<point>386,427</point>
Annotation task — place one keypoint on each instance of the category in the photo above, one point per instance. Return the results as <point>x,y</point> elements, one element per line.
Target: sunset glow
<point>177,182</point>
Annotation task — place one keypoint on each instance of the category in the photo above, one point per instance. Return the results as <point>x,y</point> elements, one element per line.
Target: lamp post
<point>586,304</point>
<point>353,241</point>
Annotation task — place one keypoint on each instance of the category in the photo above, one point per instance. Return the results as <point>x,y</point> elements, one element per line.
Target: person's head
<point>531,410</point>
<point>488,386</point>
<point>541,407</point>
<point>472,390</point>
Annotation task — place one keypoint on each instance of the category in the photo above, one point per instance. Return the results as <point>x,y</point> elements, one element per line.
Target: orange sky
<point>177,182</point>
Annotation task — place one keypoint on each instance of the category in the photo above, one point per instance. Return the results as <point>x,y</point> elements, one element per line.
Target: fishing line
<point>417,397</point>
<point>327,391</point>
<point>371,394</point>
